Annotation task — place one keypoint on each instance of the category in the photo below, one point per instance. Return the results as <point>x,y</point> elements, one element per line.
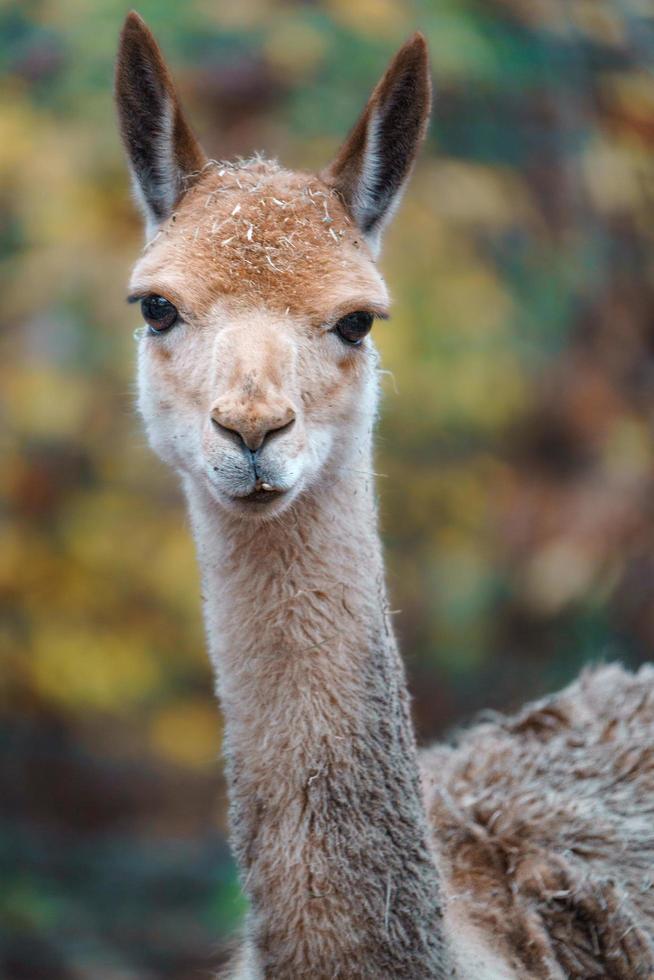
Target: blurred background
<point>516,438</point>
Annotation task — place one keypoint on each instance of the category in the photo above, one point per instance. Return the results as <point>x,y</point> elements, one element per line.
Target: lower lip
<point>260,497</point>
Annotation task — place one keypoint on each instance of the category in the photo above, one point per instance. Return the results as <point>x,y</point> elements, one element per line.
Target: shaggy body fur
<point>524,851</point>
<point>543,827</point>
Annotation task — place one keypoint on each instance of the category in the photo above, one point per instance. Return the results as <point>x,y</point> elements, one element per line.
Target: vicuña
<point>526,849</point>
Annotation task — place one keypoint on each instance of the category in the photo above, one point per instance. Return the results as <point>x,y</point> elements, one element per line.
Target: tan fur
<point>544,826</point>
<point>522,851</point>
<point>253,230</point>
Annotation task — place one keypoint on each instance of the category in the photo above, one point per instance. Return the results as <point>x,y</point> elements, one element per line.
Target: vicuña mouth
<point>263,493</point>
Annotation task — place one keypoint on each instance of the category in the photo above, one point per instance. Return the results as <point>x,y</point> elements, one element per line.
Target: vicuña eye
<point>159,314</point>
<point>354,327</point>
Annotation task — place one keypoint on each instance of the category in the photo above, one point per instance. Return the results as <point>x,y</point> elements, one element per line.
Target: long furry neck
<point>327,820</point>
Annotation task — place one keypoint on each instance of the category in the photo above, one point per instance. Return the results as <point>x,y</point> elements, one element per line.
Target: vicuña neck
<point>326,814</point>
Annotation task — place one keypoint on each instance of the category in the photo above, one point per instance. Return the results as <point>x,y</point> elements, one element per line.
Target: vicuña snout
<point>252,420</point>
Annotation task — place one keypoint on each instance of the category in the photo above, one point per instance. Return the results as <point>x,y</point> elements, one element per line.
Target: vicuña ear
<point>163,153</point>
<point>373,164</point>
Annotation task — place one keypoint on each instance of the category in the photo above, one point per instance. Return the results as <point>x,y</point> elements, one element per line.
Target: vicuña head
<point>259,286</point>
<point>524,852</point>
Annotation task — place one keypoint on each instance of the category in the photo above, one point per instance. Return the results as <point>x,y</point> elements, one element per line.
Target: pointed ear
<point>161,149</point>
<point>373,164</point>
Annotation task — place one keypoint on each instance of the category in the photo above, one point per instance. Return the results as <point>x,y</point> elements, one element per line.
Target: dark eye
<point>158,313</point>
<point>354,327</point>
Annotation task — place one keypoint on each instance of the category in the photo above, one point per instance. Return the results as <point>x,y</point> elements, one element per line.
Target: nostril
<point>280,429</point>
<point>232,434</point>
<point>251,433</point>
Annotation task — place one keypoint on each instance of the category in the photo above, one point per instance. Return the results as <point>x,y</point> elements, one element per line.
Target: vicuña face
<point>256,368</point>
<point>256,371</point>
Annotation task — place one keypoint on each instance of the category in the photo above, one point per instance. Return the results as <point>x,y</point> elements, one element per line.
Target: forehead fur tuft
<point>253,229</point>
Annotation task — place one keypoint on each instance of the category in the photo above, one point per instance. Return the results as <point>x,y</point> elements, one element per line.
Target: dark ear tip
<point>137,45</point>
<point>133,22</point>
<point>418,41</point>
<point>415,52</point>
<point>137,48</point>
<point>412,61</point>
<point>135,31</point>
